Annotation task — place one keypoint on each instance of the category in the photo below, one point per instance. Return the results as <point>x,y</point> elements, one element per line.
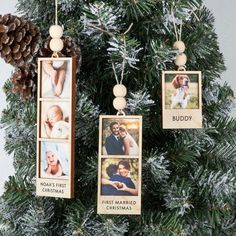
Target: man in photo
<point>114,144</point>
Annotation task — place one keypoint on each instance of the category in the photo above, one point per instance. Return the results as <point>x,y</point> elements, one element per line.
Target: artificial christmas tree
<point>188,175</point>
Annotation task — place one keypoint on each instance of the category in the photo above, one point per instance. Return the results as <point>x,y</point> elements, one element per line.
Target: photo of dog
<point>181,91</point>
<point>181,95</point>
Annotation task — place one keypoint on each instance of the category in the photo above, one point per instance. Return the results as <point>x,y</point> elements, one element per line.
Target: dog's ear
<point>175,82</point>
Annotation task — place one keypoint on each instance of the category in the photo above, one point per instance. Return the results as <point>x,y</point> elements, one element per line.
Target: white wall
<point>225,20</point>
<point>224,12</point>
<point>6,167</point>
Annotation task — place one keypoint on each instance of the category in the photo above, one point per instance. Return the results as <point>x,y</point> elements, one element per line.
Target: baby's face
<point>54,115</point>
<point>51,158</point>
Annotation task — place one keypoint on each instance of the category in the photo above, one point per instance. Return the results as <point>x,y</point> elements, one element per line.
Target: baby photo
<point>120,136</point>
<point>55,78</point>
<point>181,91</point>
<point>54,160</point>
<point>119,177</point>
<point>55,120</point>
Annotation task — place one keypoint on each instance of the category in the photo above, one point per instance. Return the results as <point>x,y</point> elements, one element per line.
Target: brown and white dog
<point>180,96</point>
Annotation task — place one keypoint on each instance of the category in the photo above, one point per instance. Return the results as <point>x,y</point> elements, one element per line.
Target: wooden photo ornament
<point>181,99</point>
<point>119,166</point>
<point>55,127</point>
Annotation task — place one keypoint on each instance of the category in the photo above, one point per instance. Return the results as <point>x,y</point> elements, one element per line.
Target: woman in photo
<point>129,144</point>
<point>119,182</point>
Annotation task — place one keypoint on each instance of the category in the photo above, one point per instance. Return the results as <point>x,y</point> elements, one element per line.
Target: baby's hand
<point>47,124</point>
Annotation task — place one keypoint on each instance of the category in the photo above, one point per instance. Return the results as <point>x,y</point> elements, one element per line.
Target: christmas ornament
<point>181,92</point>
<point>56,114</point>
<point>120,157</point>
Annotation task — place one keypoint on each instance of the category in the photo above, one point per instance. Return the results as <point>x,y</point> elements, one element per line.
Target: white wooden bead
<point>180,46</point>
<point>56,31</point>
<point>119,90</point>
<point>119,103</point>
<point>56,45</point>
<point>180,60</point>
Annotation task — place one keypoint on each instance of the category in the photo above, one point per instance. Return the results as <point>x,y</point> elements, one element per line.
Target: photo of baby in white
<point>55,120</point>
<point>54,160</point>
<point>55,78</point>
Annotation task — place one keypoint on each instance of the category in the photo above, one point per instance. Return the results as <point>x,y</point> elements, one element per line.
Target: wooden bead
<point>119,90</point>
<point>56,45</point>
<point>180,46</point>
<point>56,31</point>
<point>180,60</point>
<point>119,103</point>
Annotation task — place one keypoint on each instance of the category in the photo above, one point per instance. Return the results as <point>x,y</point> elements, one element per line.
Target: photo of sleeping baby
<point>54,160</point>
<point>120,136</point>
<point>119,177</point>
<point>55,120</point>
<point>55,78</point>
<point>181,91</point>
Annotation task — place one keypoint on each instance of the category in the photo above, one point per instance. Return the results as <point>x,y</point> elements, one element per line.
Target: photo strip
<point>120,159</point>
<point>55,127</point>
<point>181,99</point>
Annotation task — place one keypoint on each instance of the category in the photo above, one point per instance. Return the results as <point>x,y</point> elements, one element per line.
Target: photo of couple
<point>120,136</point>
<point>55,120</point>
<point>119,177</point>
<point>54,160</point>
<point>181,91</point>
<point>55,78</point>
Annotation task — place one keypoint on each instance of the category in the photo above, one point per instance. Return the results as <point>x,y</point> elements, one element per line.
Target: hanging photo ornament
<point>181,92</point>
<point>55,123</point>
<point>120,158</point>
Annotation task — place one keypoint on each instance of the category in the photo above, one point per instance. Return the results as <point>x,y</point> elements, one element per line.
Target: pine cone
<point>71,49</point>
<point>19,40</point>
<point>23,81</point>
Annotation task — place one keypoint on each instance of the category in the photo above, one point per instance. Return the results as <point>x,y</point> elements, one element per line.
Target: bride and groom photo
<point>120,137</point>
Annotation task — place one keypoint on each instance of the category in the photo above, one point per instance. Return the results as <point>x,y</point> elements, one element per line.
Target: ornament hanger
<point>56,32</point>
<point>56,15</point>
<point>119,90</point>
<point>181,58</point>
